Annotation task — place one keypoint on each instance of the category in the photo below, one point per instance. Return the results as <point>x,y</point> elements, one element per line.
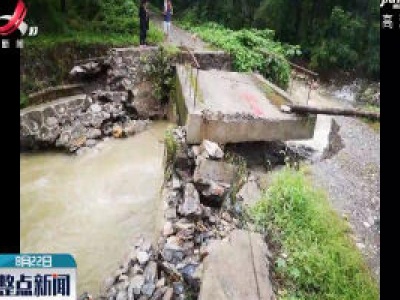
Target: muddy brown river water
<point>93,205</point>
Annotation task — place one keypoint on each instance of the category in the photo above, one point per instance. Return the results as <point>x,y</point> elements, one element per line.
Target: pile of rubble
<point>122,108</point>
<point>198,210</point>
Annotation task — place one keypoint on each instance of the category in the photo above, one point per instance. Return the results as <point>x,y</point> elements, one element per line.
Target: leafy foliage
<point>91,18</point>
<point>332,33</point>
<point>317,259</point>
<point>162,74</point>
<point>247,47</point>
<point>340,45</point>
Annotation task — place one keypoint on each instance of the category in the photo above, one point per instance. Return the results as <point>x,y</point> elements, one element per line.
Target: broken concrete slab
<point>237,268</point>
<point>231,107</point>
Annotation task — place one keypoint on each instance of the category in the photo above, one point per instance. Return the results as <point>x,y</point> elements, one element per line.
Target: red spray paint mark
<point>251,99</point>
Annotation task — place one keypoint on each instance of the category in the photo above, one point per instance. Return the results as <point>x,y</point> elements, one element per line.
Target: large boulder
<point>237,268</point>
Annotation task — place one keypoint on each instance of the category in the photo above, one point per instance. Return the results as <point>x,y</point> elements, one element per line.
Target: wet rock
<point>170,213</point>
<point>160,283</point>
<point>90,143</point>
<point>190,275</point>
<point>212,149</point>
<point>158,294</point>
<point>226,216</point>
<point>148,289</point>
<point>191,205</point>
<point>184,224</point>
<point>135,126</point>
<point>150,273</point>
<point>108,96</point>
<point>122,295</point>
<point>136,269</point>
<point>77,71</point>
<point>179,289</point>
<point>172,251</point>
<point>95,108</point>
<point>143,257</point>
<point>93,133</point>
<point>136,284</point>
<point>176,183</point>
<point>169,294</point>
<point>168,229</point>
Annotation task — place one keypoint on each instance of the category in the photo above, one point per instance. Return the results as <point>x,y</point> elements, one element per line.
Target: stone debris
<point>211,149</point>
<point>88,70</point>
<point>193,230</point>
<point>121,108</point>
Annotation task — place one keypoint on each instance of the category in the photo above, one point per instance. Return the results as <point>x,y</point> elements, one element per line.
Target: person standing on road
<point>143,22</point>
<point>168,11</point>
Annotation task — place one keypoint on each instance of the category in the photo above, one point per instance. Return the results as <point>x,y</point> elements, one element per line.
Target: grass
<point>315,257</point>
<point>154,37</point>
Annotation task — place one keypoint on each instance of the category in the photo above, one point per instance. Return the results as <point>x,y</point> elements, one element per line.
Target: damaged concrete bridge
<point>231,107</point>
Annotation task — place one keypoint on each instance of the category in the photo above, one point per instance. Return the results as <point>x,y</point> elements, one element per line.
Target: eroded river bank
<point>92,205</point>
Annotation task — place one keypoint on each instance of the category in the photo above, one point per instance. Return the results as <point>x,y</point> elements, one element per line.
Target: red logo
<point>16,21</point>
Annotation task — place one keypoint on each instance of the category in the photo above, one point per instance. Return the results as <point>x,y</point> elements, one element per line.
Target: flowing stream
<point>93,205</point>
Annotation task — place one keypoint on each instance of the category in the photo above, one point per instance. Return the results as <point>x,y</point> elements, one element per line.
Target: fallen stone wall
<point>121,108</point>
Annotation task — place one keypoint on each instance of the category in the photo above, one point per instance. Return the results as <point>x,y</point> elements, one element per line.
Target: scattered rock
<point>148,289</point>
<point>212,149</point>
<point>136,284</point>
<point>143,257</point>
<point>191,205</point>
<point>169,294</point>
<point>172,251</point>
<point>150,273</point>
<point>117,131</point>
<point>168,229</point>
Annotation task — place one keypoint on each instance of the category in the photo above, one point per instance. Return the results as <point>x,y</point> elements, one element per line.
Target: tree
<point>63,5</point>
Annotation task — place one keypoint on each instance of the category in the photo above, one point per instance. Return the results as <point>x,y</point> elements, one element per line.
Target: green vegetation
<point>171,147</point>
<point>375,125</point>
<point>162,74</point>
<point>86,21</point>
<point>247,47</point>
<point>315,258</point>
<point>333,34</point>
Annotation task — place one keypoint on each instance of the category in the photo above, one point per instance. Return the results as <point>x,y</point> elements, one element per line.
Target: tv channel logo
<point>37,276</point>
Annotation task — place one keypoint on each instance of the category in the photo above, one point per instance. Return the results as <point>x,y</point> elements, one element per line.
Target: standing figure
<point>168,11</point>
<point>144,22</point>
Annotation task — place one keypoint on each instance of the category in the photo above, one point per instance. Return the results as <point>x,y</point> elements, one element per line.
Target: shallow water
<point>93,205</point>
